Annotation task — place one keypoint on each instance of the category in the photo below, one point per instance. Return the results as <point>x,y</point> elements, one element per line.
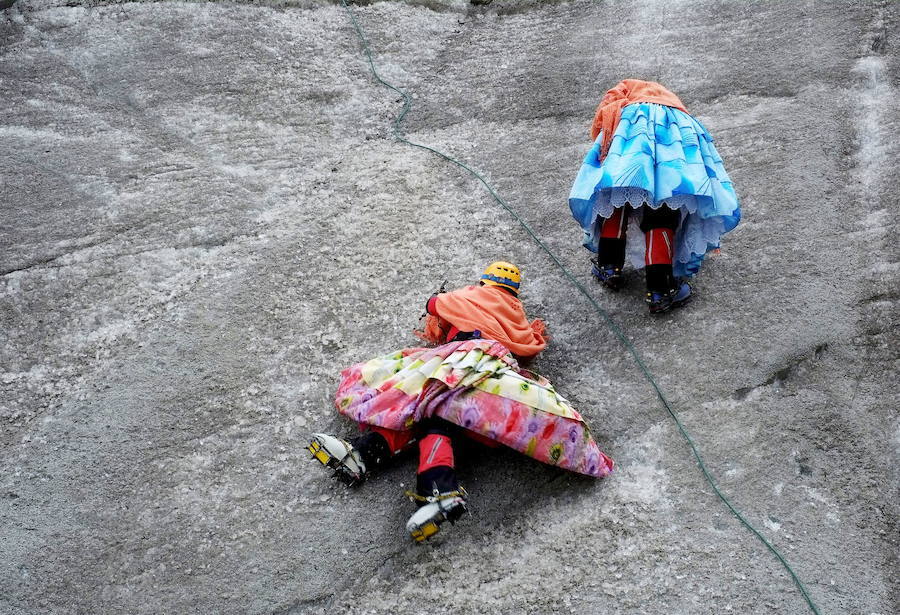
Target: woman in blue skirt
<point>653,168</point>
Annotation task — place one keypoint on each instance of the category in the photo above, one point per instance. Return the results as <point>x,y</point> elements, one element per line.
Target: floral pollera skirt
<point>478,385</point>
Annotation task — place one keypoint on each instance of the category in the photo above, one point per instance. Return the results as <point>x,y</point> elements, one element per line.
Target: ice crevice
<point>781,375</point>
<point>47,263</point>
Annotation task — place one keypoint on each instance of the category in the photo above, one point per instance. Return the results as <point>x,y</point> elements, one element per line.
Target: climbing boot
<point>340,456</point>
<point>435,509</point>
<point>609,275</point>
<point>660,302</point>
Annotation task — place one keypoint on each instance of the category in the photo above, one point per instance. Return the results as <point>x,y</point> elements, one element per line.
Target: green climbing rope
<point>398,135</point>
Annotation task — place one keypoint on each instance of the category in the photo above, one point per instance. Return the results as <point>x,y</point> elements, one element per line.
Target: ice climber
<point>471,384</point>
<point>652,188</point>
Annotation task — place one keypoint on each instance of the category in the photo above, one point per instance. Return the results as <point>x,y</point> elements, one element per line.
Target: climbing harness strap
<point>435,496</point>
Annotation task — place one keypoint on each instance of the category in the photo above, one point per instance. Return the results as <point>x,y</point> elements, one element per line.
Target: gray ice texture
<point>204,217</point>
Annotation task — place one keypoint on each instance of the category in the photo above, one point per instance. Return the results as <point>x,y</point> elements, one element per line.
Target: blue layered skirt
<point>659,155</point>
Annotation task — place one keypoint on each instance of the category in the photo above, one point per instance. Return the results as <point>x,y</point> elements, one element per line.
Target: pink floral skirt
<point>478,385</point>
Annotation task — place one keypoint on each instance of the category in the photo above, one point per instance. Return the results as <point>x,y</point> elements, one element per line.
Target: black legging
<point>659,218</point>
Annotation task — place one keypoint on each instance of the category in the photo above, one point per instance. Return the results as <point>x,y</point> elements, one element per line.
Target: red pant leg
<point>660,246</point>
<point>435,450</point>
<point>615,226</point>
<point>397,440</point>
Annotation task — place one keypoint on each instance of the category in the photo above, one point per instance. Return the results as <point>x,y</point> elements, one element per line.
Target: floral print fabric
<point>478,385</point>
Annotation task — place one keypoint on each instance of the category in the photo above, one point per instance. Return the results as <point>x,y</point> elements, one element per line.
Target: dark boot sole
<point>671,306</point>
<point>613,282</point>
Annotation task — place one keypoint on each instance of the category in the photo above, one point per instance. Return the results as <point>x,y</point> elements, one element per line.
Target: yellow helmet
<point>502,274</point>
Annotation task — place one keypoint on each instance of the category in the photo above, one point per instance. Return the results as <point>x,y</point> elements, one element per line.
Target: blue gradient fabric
<point>659,155</point>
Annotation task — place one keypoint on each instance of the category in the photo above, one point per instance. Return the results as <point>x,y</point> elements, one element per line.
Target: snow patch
<point>885,267</point>
<point>36,134</point>
<point>643,478</point>
<point>873,131</point>
<point>816,495</point>
<point>876,220</point>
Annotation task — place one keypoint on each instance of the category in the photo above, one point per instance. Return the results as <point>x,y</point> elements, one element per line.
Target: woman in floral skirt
<point>470,384</point>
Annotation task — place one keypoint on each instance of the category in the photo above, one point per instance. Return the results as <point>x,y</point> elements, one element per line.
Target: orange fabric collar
<point>627,92</point>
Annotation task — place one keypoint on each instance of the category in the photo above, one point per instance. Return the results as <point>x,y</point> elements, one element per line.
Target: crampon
<point>339,456</point>
<point>437,508</point>
<point>676,297</point>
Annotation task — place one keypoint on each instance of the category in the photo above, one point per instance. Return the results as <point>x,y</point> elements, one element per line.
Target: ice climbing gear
<point>435,510</point>
<point>676,297</point>
<point>340,456</point>
<point>610,275</point>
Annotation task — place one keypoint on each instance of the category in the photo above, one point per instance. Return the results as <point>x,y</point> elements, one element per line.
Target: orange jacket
<point>495,312</point>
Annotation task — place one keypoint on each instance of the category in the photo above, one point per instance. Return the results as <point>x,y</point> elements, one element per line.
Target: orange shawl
<point>493,311</point>
<point>625,93</point>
